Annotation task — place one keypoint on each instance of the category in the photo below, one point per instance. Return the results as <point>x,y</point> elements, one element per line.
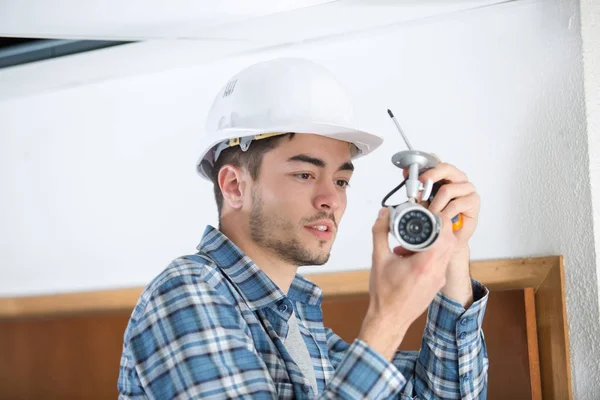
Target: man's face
<point>300,197</point>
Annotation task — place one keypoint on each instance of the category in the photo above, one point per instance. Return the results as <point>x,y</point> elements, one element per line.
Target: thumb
<point>381,229</point>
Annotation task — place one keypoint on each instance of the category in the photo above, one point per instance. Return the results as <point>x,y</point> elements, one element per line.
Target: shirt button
<point>305,388</point>
<point>465,377</point>
<point>464,321</point>
<point>283,307</point>
<point>463,335</point>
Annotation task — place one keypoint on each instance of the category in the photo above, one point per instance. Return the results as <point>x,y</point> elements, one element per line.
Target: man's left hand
<point>457,195</point>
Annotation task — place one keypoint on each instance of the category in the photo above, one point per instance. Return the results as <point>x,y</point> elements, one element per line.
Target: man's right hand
<point>401,287</point>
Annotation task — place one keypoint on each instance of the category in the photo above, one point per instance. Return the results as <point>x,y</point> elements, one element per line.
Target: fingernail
<point>382,212</point>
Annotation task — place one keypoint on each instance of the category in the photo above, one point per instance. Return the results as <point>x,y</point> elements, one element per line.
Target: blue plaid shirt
<point>212,326</point>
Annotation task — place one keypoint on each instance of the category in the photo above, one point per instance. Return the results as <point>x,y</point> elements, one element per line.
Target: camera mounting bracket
<point>415,161</point>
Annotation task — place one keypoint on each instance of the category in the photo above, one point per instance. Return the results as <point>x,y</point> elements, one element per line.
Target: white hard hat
<point>280,96</point>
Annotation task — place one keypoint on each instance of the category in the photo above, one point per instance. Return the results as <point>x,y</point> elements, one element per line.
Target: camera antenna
<point>414,160</point>
<point>400,129</point>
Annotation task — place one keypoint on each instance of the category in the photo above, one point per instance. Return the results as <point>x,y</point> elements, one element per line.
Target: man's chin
<point>314,263</point>
<point>319,259</point>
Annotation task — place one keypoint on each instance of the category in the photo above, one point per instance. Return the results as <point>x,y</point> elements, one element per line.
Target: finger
<point>446,229</point>
<point>401,251</point>
<point>381,228</point>
<point>447,240</point>
<point>467,205</point>
<point>444,171</point>
<point>448,192</point>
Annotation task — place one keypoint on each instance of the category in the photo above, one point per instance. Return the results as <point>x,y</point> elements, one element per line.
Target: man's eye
<point>343,183</point>
<point>304,176</point>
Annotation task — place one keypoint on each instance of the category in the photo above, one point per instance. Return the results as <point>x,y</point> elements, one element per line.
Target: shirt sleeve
<point>453,361</point>
<point>451,364</point>
<point>360,371</point>
<point>129,385</point>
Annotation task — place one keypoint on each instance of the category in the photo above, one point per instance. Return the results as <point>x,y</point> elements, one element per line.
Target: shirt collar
<point>257,289</point>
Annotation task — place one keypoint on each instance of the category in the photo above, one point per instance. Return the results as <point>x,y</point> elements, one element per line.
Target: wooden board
<point>496,275</point>
<point>65,357</point>
<point>553,337</point>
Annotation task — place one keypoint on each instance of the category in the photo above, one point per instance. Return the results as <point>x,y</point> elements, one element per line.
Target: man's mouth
<point>322,229</point>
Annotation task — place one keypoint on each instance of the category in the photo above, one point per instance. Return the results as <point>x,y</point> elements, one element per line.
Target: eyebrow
<point>347,166</point>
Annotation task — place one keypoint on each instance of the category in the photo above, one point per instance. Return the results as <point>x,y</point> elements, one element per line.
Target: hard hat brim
<point>364,141</point>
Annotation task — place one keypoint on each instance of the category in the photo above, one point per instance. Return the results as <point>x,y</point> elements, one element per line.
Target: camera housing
<point>414,226</point>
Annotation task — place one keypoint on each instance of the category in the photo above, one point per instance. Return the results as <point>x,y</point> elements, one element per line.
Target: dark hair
<point>251,159</point>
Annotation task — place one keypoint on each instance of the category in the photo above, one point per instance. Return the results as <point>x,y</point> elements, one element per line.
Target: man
<point>235,320</point>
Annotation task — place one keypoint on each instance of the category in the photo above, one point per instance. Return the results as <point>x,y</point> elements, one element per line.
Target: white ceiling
<point>222,28</point>
<point>184,19</point>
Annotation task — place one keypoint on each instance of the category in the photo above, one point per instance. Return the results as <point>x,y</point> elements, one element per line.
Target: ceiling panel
<point>207,31</point>
<point>257,19</point>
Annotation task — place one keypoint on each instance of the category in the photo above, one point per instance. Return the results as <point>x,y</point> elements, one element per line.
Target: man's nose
<point>327,198</point>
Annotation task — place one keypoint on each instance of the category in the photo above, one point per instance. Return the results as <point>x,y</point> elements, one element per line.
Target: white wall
<point>590,35</point>
<point>99,187</point>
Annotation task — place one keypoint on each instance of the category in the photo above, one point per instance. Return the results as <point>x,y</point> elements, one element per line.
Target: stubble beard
<point>280,236</point>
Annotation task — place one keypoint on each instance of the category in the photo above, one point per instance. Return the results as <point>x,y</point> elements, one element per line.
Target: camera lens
<point>415,227</point>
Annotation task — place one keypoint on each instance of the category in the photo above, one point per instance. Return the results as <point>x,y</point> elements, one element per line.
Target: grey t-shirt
<point>297,348</point>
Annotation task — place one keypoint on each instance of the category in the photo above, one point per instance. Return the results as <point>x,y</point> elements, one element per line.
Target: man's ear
<point>232,184</point>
